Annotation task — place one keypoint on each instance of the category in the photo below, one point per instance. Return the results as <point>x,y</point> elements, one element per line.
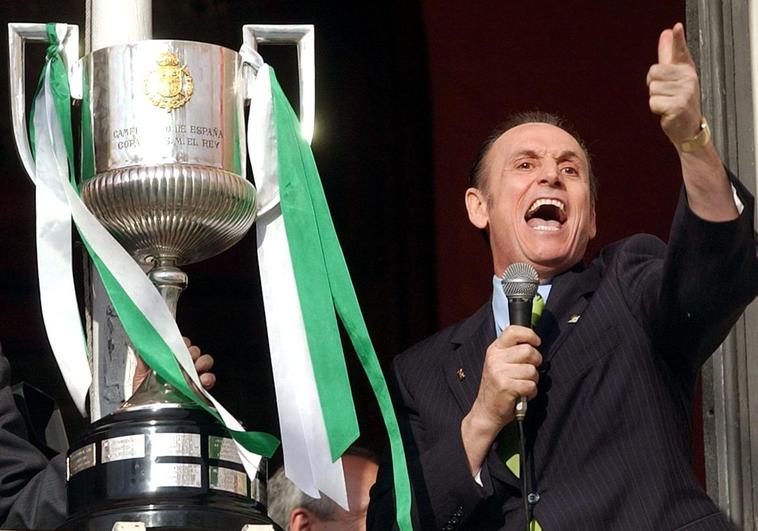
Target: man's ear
<point>301,520</point>
<point>593,224</point>
<point>476,206</point>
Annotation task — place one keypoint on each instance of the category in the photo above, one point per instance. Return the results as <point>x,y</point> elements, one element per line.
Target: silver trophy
<point>163,157</point>
<point>163,136</point>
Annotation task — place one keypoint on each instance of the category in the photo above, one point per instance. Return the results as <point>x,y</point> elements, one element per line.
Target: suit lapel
<point>463,367</point>
<point>469,345</point>
<point>568,298</point>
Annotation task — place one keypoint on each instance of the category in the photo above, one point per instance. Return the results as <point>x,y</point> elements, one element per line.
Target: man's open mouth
<point>546,214</point>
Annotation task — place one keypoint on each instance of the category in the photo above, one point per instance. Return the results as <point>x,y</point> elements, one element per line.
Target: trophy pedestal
<point>185,517</point>
<point>167,466</point>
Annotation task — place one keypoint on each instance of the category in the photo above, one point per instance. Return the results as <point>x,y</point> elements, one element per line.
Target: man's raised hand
<point>674,87</point>
<point>675,96</point>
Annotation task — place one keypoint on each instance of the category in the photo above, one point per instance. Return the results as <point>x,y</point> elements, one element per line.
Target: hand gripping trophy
<point>162,183</point>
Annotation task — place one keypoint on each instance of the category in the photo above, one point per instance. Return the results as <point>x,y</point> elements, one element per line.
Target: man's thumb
<point>666,47</point>
<point>680,53</point>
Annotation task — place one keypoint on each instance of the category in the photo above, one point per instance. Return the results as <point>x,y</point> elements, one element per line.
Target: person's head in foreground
<point>296,511</point>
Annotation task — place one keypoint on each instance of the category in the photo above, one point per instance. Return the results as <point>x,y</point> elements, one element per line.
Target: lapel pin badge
<point>574,318</point>
<point>461,374</point>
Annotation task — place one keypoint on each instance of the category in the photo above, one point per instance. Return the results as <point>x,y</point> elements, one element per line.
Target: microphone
<point>520,282</point>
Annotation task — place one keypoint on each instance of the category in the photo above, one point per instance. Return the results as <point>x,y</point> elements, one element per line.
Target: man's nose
<point>551,175</point>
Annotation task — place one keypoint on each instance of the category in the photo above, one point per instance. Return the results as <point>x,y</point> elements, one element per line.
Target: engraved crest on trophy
<point>170,85</point>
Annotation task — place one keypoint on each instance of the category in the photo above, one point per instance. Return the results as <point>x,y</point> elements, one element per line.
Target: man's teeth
<point>542,202</point>
<point>546,228</point>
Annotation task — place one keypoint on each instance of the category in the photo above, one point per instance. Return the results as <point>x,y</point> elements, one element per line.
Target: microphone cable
<point>524,473</point>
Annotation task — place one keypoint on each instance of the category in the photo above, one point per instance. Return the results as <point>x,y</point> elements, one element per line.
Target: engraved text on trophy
<point>199,136</point>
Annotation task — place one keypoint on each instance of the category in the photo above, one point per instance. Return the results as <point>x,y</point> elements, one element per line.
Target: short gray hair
<point>284,496</point>
<point>476,177</point>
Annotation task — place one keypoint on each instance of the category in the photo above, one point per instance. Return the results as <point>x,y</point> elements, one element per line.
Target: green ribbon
<point>158,355</point>
<point>325,288</point>
<point>146,340</point>
<point>538,304</point>
<point>61,93</point>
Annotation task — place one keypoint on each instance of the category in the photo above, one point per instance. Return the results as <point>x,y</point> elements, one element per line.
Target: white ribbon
<point>60,311</point>
<point>51,159</point>
<point>307,455</point>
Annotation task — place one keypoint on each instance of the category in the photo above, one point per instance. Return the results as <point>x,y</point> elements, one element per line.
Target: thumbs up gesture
<point>674,87</point>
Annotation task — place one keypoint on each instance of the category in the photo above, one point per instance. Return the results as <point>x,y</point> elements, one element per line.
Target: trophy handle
<point>18,34</point>
<point>303,36</point>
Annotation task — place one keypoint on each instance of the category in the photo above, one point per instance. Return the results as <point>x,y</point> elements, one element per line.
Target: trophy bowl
<point>178,213</point>
<point>163,148</point>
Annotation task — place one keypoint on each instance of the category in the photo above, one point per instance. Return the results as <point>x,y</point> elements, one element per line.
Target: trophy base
<point>159,517</point>
<point>166,467</point>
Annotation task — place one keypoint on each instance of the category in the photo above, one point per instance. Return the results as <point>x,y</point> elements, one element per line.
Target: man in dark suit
<point>610,369</point>
<point>33,489</point>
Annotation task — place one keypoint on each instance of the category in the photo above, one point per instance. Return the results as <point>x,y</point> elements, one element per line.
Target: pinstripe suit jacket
<point>32,490</point>
<point>609,434</point>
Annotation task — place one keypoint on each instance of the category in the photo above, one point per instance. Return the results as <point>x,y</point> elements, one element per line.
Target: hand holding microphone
<point>509,375</point>
<point>520,283</point>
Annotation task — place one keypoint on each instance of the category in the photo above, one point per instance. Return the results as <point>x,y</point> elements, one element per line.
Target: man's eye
<point>569,170</point>
<point>525,165</point>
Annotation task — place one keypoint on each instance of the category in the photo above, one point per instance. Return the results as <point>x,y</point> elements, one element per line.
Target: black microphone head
<point>520,281</point>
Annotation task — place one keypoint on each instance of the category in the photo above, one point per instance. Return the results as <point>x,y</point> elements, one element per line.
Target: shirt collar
<point>500,302</point>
